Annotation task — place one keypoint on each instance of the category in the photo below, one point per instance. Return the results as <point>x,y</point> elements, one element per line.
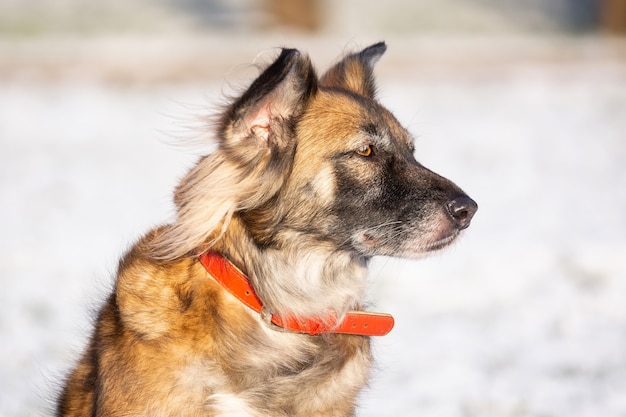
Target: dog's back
<point>312,177</point>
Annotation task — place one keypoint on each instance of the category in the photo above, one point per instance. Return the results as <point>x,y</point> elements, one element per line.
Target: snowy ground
<point>525,316</point>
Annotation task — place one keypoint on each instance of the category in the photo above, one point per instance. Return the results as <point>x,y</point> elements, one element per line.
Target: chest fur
<point>215,354</point>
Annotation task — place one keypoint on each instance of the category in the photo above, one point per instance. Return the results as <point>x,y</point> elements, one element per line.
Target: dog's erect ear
<point>277,97</point>
<point>356,71</point>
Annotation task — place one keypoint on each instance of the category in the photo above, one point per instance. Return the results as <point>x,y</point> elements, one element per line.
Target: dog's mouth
<point>442,243</point>
<point>371,244</point>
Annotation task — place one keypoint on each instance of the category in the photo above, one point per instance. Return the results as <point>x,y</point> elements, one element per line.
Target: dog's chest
<point>323,379</point>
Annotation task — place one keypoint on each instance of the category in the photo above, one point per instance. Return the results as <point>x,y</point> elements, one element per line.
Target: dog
<point>252,301</point>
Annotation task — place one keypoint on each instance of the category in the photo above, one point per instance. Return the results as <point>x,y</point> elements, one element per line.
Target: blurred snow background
<point>523,104</point>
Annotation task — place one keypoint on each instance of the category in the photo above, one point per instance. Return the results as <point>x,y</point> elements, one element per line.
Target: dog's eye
<point>365,150</point>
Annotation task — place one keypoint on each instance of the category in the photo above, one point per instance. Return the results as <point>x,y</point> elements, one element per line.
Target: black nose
<point>462,209</point>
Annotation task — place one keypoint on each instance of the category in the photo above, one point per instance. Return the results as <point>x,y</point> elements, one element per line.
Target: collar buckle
<point>267,317</point>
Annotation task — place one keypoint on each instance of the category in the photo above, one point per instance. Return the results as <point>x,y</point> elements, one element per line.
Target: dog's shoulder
<point>155,298</point>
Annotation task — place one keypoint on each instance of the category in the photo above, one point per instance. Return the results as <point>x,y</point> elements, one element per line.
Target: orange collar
<point>354,322</point>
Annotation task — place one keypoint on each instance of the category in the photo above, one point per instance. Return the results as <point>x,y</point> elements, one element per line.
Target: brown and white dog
<point>251,302</point>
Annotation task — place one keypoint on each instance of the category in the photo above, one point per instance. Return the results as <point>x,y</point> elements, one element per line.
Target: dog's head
<point>320,159</point>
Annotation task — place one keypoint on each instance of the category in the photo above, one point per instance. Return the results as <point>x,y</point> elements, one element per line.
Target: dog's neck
<point>310,281</point>
<point>298,278</point>
<point>238,285</point>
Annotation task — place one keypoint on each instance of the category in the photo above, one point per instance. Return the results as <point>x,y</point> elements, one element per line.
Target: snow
<point>524,316</point>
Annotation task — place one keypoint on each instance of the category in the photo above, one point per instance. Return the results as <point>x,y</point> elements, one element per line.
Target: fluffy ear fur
<point>355,72</point>
<point>256,138</point>
<point>271,103</point>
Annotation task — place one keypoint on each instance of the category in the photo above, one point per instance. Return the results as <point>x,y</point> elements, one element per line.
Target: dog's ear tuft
<point>272,102</point>
<point>355,72</point>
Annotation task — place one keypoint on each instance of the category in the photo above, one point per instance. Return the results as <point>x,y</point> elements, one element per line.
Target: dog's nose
<point>462,209</point>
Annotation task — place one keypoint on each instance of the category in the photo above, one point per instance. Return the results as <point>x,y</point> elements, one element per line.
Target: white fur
<point>230,405</point>
<point>324,185</point>
<point>310,281</point>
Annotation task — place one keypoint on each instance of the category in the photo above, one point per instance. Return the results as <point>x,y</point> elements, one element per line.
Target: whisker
<point>372,228</point>
<point>379,226</point>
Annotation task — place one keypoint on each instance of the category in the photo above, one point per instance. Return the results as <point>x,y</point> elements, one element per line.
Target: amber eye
<point>365,150</point>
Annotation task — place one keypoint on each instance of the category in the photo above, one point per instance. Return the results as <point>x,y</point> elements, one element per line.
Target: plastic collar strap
<point>354,322</point>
